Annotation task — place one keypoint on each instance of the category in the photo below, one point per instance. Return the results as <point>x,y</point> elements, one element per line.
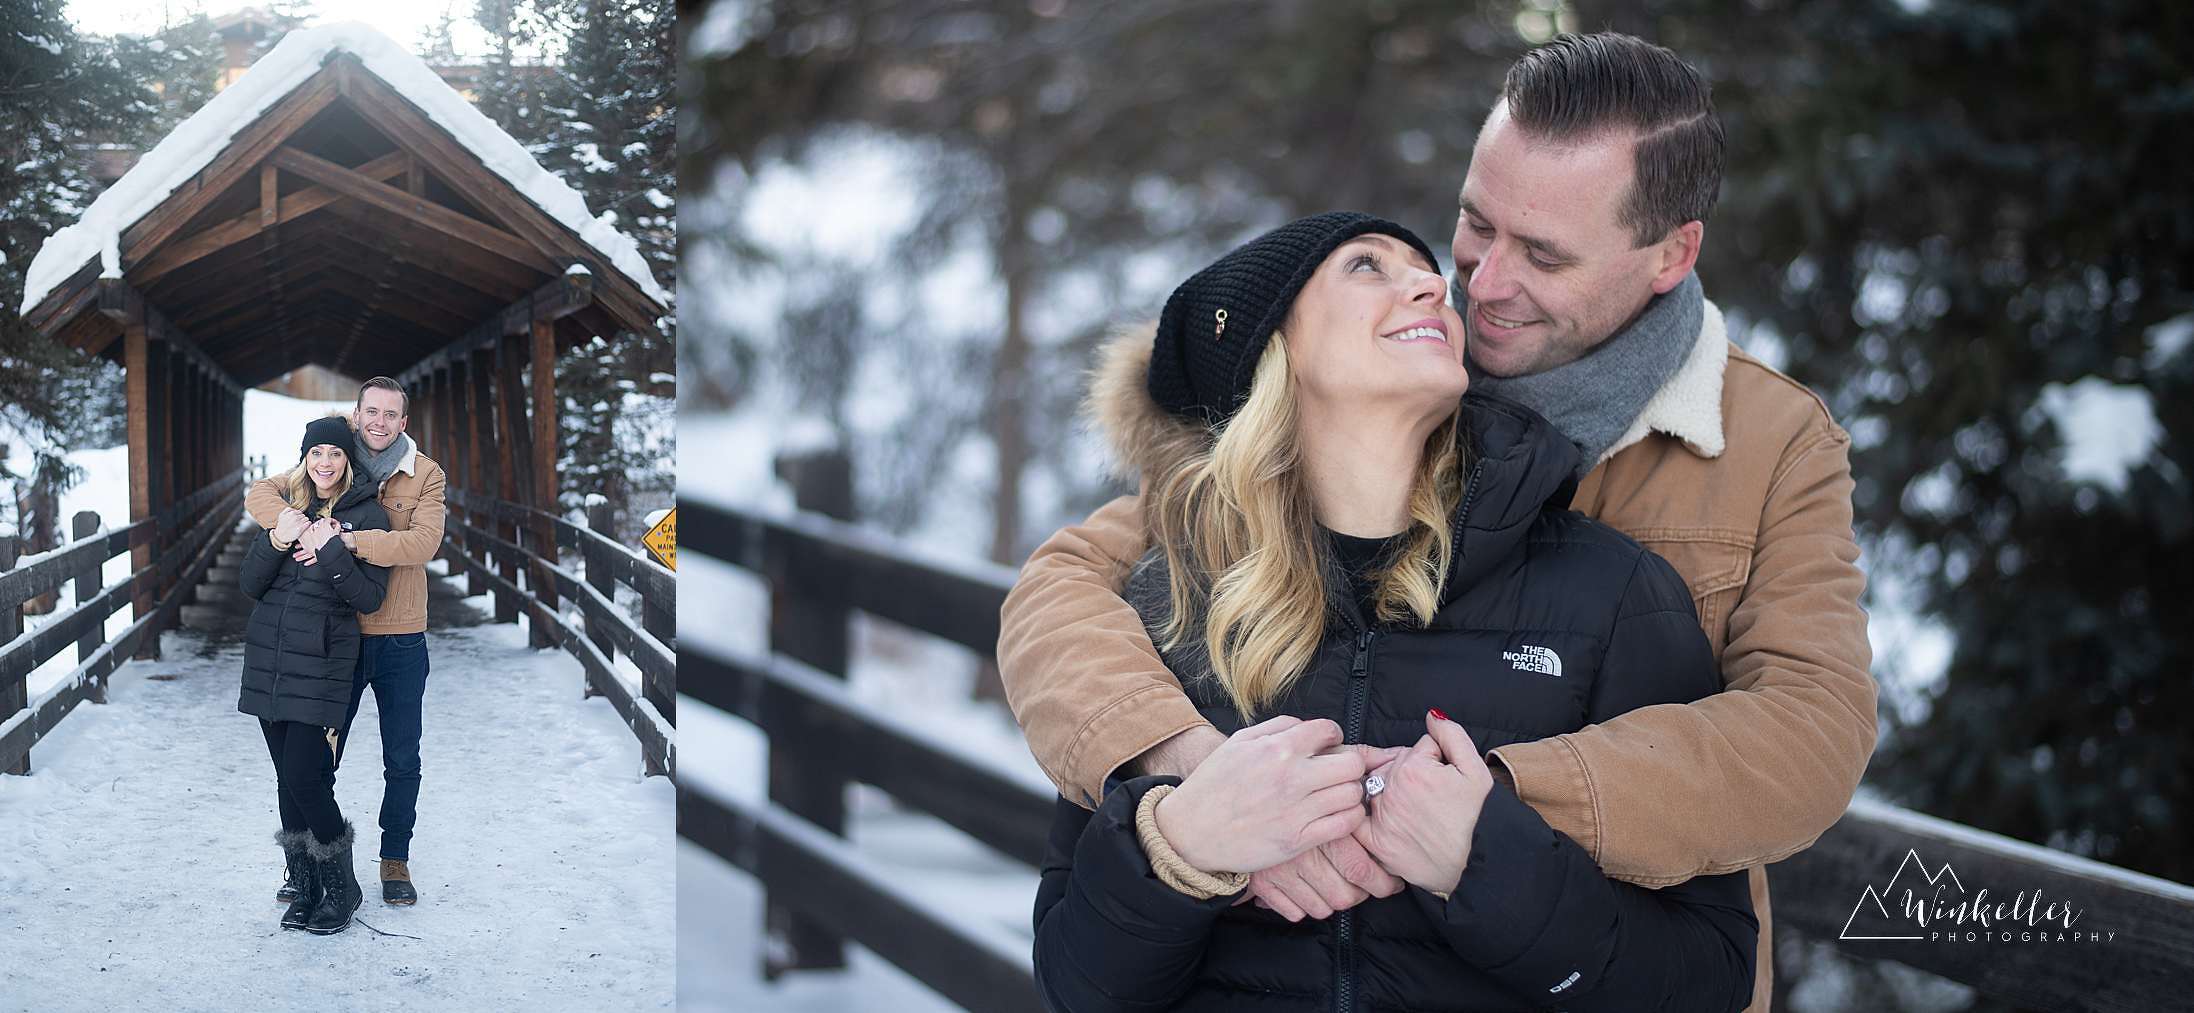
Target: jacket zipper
<point>1344,924</point>
<point>1359,681</point>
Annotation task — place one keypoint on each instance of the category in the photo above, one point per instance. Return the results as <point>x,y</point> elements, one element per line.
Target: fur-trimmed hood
<point>1141,436</point>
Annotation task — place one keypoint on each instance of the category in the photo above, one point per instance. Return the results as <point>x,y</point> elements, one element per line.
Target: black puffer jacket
<point>302,643</point>
<point>1549,622</point>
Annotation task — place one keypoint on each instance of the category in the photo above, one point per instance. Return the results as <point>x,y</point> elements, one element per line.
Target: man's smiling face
<point>381,417</point>
<point>1548,267</point>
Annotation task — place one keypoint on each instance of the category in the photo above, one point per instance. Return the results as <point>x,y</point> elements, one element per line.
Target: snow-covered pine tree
<point>604,123</point>
<point>58,92</point>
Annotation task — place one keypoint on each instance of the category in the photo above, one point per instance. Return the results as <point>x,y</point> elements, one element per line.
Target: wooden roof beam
<point>551,302</point>
<point>244,153</point>
<point>122,304</point>
<point>244,226</point>
<point>396,119</point>
<point>417,210</point>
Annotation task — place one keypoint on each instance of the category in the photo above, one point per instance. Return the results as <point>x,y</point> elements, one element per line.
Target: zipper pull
<point>1362,663</point>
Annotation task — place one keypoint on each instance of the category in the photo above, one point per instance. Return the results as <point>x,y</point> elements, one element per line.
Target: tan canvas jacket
<point>1735,473</point>
<point>413,497</point>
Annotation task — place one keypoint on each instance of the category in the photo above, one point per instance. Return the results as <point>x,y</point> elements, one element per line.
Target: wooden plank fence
<point>180,541</point>
<point>821,893</point>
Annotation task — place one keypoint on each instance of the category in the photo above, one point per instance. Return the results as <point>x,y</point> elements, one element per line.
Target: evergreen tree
<point>59,93</point>
<point>604,124</point>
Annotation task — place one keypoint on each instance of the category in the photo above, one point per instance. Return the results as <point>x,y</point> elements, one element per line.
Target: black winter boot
<point>294,862</point>
<point>338,882</point>
<point>302,885</point>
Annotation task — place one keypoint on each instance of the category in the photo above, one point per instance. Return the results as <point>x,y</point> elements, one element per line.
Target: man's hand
<point>1420,826</point>
<point>1264,796</point>
<point>290,523</point>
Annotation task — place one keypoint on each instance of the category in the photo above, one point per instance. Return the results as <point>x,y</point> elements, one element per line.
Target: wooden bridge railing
<point>820,891</point>
<point>495,541</point>
<point>171,549</point>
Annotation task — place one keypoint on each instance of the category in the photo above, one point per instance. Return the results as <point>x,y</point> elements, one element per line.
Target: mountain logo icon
<point>1871,918</point>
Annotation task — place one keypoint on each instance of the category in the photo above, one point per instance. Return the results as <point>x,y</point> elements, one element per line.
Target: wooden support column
<point>137,389</point>
<point>439,411</point>
<point>545,447</point>
<point>514,466</point>
<point>455,451</point>
<point>486,452</point>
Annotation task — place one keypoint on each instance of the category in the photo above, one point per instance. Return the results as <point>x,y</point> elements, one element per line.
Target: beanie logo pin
<point>1219,333</point>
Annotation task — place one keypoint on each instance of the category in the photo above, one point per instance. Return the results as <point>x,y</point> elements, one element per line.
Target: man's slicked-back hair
<point>385,383</point>
<point>1580,88</point>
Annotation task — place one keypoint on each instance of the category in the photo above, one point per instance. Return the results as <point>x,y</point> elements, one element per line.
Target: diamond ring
<point>1373,785</point>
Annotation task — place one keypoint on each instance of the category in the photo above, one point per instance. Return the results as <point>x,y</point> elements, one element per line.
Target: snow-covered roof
<point>198,140</point>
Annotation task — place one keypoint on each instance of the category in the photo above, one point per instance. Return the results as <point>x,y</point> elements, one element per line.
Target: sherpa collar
<point>1689,406</point>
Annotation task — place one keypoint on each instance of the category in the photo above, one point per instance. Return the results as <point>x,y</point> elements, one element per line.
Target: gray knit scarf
<point>1594,400</point>
<point>379,465</point>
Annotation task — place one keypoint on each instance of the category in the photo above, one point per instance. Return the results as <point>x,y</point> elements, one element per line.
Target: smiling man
<point>393,659</point>
<point>1581,217</point>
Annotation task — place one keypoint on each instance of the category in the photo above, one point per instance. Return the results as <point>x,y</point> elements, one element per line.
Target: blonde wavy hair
<point>1242,545</point>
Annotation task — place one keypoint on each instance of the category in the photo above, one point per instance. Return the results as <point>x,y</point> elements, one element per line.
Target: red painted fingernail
<point>1442,715</point>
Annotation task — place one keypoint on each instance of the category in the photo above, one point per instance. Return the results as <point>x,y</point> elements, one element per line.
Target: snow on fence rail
<point>820,568</point>
<point>495,540</point>
<point>171,551</point>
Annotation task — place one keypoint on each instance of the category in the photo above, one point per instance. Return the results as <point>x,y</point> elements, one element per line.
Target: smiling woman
<point>1326,501</point>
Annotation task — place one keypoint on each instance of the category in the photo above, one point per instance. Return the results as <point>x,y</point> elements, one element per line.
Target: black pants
<point>304,766</point>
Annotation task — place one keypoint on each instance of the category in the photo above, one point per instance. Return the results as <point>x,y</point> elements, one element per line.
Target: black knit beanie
<point>329,429</point>
<point>1214,327</point>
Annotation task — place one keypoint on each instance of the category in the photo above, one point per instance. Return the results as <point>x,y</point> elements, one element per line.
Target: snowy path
<point>137,869</point>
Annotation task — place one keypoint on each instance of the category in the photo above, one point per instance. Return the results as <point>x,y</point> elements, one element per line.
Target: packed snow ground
<point>140,867</point>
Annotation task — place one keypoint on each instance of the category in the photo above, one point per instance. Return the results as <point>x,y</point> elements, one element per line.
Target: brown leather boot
<point>396,883</point>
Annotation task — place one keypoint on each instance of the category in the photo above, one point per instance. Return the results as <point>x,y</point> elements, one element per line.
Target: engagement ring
<point>1373,785</point>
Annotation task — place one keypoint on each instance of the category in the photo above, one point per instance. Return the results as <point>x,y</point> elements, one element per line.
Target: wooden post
<point>85,525</point>
<point>137,393</point>
<point>15,692</point>
<point>662,624</point>
<point>601,518</point>
<point>544,454</point>
<point>513,437</point>
<point>482,468</point>
<point>808,621</point>
<point>160,385</point>
<point>455,450</point>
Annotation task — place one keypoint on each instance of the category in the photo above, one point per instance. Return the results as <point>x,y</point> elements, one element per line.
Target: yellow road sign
<point>662,540</point>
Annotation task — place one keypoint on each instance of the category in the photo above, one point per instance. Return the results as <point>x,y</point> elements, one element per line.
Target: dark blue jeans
<point>395,665</point>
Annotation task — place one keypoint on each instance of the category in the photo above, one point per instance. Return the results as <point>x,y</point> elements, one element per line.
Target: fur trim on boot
<point>338,879</point>
<point>300,886</point>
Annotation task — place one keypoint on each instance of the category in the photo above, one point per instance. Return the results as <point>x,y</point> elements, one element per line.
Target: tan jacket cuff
<point>278,543</point>
<point>1122,731</point>
<point>1550,777</point>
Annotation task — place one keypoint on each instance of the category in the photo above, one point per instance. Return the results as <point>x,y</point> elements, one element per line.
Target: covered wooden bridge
<point>340,206</point>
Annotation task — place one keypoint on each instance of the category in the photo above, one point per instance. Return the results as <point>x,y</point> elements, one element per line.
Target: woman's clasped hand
<point>1288,792</point>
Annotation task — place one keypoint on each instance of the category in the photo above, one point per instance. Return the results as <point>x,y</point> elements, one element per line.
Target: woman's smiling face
<point>1372,326</point>
<point>325,463</point>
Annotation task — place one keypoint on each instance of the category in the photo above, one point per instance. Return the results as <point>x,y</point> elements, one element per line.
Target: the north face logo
<point>1534,659</point>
